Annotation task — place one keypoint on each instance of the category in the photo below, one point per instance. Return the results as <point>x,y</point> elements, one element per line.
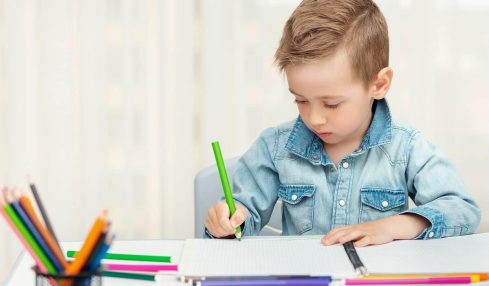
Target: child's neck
<point>337,151</point>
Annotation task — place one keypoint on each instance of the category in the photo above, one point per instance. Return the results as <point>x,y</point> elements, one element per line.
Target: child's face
<point>332,102</point>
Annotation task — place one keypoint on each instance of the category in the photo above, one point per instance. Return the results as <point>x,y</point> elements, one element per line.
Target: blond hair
<point>317,28</point>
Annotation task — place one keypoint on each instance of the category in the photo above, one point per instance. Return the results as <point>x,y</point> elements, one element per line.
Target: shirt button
<point>293,197</point>
<point>315,158</point>
<point>342,203</point>
<point>431,234</point>
<point>385,204</point>
<point>345,165</point>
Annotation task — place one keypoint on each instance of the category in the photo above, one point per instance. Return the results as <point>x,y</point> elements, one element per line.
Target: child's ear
<point>382,83</point>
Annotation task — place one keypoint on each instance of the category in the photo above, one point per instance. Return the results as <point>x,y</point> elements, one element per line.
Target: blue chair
<point>208,191</point>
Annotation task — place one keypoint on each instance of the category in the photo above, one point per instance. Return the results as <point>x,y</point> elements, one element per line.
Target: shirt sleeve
<point>256,182</point>
<point>438,192</point>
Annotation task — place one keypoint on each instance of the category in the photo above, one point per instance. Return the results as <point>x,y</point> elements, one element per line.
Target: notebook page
<point>469,253</point>
<point>267,256</point>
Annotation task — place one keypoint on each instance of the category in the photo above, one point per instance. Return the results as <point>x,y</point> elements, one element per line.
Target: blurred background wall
<point>114,103</point>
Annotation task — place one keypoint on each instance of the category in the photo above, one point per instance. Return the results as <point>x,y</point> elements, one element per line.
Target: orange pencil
<point>25,202</point>
<point>87,248</point>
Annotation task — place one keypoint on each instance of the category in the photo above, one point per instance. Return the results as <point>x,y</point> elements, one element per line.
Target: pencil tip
<point>238,235</point>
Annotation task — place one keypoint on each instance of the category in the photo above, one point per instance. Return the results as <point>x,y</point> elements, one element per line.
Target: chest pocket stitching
<point>374,197</point>
<point>286,192</point>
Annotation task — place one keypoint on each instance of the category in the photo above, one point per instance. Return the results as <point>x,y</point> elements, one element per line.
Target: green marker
<point>225,182</point>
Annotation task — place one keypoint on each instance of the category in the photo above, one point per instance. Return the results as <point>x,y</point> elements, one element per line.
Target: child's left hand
<point>405,226</point>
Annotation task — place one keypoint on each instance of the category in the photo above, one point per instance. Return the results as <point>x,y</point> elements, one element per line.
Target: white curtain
<point>115,103</point>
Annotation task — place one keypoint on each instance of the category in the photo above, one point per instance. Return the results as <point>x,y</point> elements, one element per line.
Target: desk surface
<point>22,274</point>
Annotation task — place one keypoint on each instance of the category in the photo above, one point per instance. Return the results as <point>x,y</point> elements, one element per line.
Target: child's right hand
<point>218,222</point>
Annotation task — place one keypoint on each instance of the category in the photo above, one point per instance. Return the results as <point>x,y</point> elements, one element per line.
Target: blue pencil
<point>267,282</point>
<point>100,255</point>
<point>24,218</point>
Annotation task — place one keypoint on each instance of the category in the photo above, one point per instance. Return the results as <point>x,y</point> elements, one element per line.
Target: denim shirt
<point>393,163</point>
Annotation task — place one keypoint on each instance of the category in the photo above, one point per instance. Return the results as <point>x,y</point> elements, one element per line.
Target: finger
<point>364,241</point>
<point>239,216</point>
<point>215,217</point>
<point>351,235</point>
<point>209,222</point>
<point>332,236</point>
<point>223,222</point>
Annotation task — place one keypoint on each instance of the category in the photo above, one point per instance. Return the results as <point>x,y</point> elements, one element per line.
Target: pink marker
<point>141,267</point>
<point>409,281</point>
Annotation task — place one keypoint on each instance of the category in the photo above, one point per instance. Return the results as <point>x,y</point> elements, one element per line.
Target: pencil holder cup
<point>80,279</point>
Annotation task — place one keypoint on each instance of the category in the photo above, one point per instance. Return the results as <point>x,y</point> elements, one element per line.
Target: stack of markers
<point>39,239</point>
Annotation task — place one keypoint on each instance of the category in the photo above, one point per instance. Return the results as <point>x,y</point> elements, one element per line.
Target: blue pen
<point>36,235</point>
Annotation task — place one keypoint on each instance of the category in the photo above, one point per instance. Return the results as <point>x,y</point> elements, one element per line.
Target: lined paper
<point>306,256</point>
<point>267,256</point>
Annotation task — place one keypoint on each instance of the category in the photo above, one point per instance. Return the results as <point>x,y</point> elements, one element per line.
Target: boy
<point>343,167</point>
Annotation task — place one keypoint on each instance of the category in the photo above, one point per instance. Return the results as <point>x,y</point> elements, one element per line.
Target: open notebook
<point>306,256</point>
<point>263,256</point>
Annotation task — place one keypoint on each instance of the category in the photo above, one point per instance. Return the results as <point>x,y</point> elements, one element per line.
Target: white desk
<point>376,257</point>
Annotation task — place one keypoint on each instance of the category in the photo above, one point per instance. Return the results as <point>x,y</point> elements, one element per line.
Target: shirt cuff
<point>208,234</point>
<point>435,230</point>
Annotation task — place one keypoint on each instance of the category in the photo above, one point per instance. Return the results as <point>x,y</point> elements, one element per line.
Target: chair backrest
<point>208,191</point>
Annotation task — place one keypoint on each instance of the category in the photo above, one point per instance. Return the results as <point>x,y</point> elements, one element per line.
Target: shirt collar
<point>304,143</point>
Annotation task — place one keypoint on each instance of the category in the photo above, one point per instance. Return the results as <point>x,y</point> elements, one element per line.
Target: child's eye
<point>331,106</point>
<point>299,101</point>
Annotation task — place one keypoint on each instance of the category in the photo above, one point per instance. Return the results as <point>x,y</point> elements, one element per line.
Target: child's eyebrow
<point>320,97</point>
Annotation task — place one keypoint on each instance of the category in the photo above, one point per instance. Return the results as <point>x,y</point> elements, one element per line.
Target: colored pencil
<point>354,258</point>
<point>103,250</point>
<point>96,249</point>
<point>298,282</point>
<point>26,235</point>
<point>474,277</point>
<point>35,234</point>
<point>128,275</point>
<point>27,206</point>
<point>266,281</point>
<point>141,267</point>
<point>129,257</point>
<point>226,187</point>
<point>44,214</point>
<point>90,241</point>
<point>409,281</point>
<point>26,245</point>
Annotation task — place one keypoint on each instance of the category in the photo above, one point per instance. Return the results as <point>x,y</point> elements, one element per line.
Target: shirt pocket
<point>381,202</point>
<point>298,206</point>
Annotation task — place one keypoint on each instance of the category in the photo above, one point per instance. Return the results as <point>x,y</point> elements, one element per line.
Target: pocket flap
<point>383,199</point>
<point>293,194</point>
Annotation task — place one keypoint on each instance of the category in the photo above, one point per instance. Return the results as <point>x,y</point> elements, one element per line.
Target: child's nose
<point>317,119</point>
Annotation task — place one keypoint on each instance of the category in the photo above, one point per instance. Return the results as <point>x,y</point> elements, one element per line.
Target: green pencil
<point>133,257</point>
<point>28,237</point>
<point>225,182</point>
<point>128,275</point>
